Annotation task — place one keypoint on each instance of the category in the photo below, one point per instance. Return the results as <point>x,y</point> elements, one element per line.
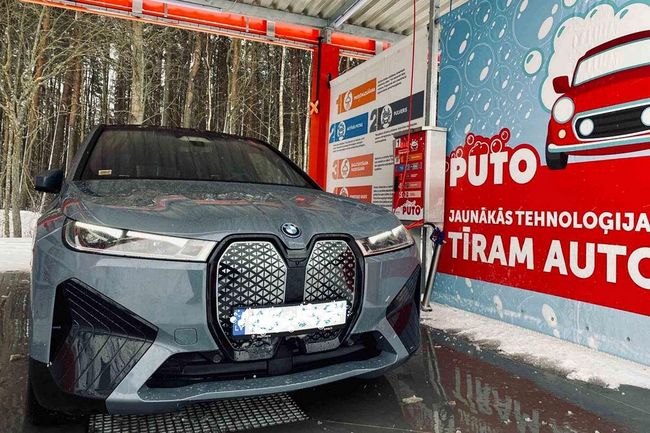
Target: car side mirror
<point>49,181</point>
<point>561,84</point>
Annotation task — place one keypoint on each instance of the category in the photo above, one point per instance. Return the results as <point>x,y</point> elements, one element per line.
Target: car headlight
<point>563,110</point>
<point>106,240</point>
<point>390,240</point>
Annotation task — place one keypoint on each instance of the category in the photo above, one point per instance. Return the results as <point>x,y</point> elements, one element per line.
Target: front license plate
<point>289,319</point>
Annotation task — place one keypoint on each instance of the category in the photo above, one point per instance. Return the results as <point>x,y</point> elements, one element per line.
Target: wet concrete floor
<point>449,386</point>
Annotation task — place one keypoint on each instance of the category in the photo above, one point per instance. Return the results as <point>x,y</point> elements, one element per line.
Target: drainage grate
<point>219,416</point>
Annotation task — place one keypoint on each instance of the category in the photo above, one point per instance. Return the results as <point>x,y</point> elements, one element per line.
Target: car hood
<point>622,87</point>
<point>213,210</point>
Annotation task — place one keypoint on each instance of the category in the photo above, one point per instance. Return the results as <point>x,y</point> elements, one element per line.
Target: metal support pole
<point>423,255</point>
<point>433,267</point>
<point>431,96</point>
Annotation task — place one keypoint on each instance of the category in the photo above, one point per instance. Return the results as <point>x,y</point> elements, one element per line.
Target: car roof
<point>618,41</point>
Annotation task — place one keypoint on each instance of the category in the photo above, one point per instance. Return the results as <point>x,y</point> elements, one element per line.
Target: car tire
<point>39,415</point>
<point>556,161</point>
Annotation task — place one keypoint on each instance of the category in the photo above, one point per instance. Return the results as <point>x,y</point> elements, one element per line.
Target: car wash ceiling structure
<point>328,28</point>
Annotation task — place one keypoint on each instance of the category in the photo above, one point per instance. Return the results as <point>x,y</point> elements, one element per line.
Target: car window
<point>183,155</point>
<point>619,58</point>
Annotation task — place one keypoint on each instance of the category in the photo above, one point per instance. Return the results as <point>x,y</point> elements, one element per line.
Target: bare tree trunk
<point>7,187</point>
<point>60,128</point>
<point>121,83</point>
<point>305,141</point>
<point>16,168</point>
<point>167,70</point>
<point>104,104</point>
<point>32,122</point>
<point>233,81</point>
<point>195,64</point>
<point>208,59</point>
<point>73,114</point>
<point>281,101</point>
<point>137,85</point>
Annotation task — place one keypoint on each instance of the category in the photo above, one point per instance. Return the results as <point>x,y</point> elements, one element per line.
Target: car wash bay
<point>451,385</point>
<point>554,267</point>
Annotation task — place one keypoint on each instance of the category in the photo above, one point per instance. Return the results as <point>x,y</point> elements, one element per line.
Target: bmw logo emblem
<point>290,230</point>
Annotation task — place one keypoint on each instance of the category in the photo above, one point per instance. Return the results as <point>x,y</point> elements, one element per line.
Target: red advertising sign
<point>578,233</point>
<point>360,95</point>
<point>363,193</point>
<point>356,166</point>
<point>409,175</point>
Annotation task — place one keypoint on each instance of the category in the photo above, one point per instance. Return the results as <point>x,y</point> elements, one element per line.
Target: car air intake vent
<point>614,123</point>
<point>331,275</point>
<point>97,342</point>
<point>249,274</point>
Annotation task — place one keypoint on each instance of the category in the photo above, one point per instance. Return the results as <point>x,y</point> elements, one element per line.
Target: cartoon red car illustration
<point>605,109</point>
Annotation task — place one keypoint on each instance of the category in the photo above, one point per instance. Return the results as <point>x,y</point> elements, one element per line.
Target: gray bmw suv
<point>176,266</point>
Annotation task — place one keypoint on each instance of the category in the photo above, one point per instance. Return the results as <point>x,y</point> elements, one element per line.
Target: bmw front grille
<point>259,273</point>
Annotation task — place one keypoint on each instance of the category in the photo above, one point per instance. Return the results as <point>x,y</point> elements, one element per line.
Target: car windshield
<point>186,155</point>
<point>619,58</point>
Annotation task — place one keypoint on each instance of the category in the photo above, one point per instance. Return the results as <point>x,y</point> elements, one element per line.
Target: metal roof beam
<point>229,6</point>
<point>343,13</point>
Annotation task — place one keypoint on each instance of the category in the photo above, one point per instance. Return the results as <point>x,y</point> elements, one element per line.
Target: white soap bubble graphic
<point>450,90</point>
<point>482,13</point>
<point>501,78</point>
<point>463,47</point>
<point>569,3</point>
<point>523,6</point>
<point>503,4</point>
<point>450,102</point>
<point>458,39</point>
<point>479,64</point>
<point>464,119</point>
<point>525,108</point>
<point>516,91</point>
<point>534,22</point>
<point>468,282</point>
<point>581,33</point>
<point>504,52</point>
<point>483,99</point>
<point>533,62</point>
<point>498,28</point>
<point>545,28</point>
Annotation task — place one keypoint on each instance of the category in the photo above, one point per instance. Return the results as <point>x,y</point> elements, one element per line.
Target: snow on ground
<point>15,254</point>
<point>27,220</point>
<point>576,362</point>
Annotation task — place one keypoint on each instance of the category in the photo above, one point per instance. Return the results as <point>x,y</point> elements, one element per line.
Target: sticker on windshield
<point>105,172</point>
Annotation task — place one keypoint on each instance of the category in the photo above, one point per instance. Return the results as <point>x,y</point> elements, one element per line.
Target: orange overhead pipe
<point>177,14</point>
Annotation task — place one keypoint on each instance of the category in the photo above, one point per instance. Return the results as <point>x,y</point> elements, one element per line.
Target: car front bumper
<point>171,299</point>
<point>588,146</point>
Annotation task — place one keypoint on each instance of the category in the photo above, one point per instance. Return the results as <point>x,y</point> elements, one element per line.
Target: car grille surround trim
<point>614,122</point>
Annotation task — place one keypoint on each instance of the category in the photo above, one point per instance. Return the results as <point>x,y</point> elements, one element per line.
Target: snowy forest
<point>62,72</point>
